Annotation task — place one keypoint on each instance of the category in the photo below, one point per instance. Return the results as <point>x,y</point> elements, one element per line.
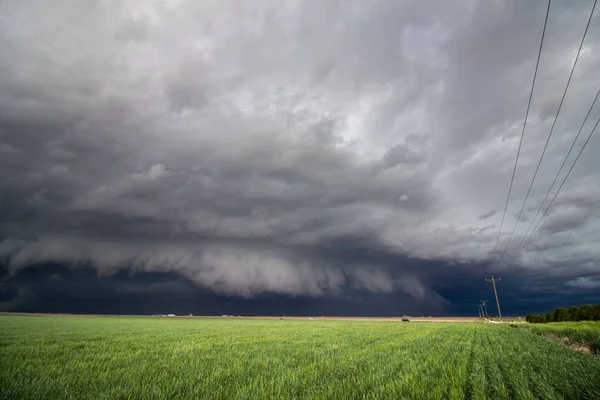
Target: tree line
<point>588,312</point>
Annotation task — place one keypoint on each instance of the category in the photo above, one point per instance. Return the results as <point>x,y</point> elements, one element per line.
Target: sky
<point>294,157</point>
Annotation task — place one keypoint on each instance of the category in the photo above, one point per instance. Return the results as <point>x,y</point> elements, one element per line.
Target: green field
<point>170,358</point>
<point>571,333</point>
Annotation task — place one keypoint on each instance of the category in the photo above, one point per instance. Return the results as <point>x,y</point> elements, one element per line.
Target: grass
<point>168,358</point>
<point>585,333</point>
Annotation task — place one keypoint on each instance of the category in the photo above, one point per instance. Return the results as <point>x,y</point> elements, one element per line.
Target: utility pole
<point>484,309</point>
<point>494,280</point>
<point>479,311</point>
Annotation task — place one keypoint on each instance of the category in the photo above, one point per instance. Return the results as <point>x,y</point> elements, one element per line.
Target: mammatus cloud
<point>239,144</point>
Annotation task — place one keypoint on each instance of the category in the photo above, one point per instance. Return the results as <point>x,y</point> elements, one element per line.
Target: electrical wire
<point>555,194</point>
<point>512,179</point>
<point>559,170</point>
<point>552,128</point>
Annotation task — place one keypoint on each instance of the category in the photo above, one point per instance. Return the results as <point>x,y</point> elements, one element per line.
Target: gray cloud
<point>487,214</point>
<point>227,141</point>
<point>585,283</point>
<point>564,220</point>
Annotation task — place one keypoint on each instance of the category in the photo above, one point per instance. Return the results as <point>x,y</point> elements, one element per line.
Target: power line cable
<point>556,194</point>
<point>559,170</point>
<point>512,179</point>
<point>552,128</point>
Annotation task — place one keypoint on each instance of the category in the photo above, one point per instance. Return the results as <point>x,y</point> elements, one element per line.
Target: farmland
<point>583,334</point>
<point>137,357</point>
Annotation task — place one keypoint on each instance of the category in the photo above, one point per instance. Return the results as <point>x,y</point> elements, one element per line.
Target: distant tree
<point>572,314</point>
<point>586,312</point>
<point>596,312</point>
<point>557,315</point>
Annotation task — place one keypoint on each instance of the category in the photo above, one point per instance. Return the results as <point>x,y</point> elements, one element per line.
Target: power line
<point>555,194</point>
<point>512,179</point>
<point>559,171</point>
<point>552,128</point>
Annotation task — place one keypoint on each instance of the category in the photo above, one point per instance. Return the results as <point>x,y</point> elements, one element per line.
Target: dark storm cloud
<point>52,288</point>
<point>292,149</point>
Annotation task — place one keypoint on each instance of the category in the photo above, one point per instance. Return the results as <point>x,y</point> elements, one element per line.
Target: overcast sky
<point>317,154</point>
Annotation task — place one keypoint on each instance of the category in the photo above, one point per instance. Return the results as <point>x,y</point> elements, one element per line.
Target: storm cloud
<point>307,149</point>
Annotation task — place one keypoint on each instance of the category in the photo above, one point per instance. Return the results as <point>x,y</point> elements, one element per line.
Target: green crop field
<point>586,333</point>
<point>171,358</point>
